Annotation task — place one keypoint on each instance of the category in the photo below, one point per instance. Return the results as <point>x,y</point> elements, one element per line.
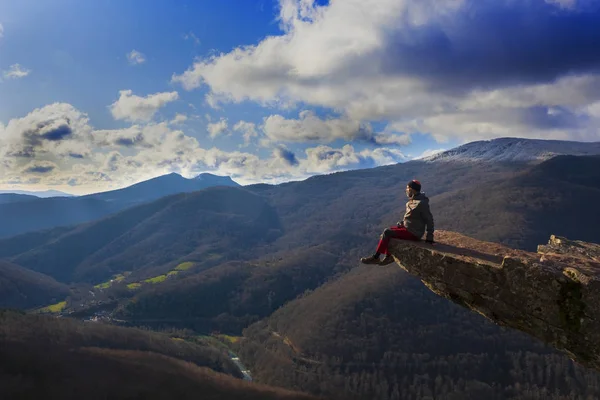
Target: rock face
<point>553,295</point>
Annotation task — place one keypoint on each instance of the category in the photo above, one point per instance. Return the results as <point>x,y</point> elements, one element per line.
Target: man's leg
<point>396,232</point>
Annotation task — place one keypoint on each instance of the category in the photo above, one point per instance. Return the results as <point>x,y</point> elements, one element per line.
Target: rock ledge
<point>553,295</point>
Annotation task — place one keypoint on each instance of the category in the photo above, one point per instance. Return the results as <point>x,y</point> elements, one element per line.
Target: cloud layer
<point>15,71</point>
<point>310,128</point>
<point>364,73</point>
<point>217,128</point>
<point>57,146</point>
<point>130,107</point>
<point>466,69</point>
<point>135,57</point>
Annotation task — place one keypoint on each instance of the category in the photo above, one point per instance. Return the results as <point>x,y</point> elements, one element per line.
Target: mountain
<point>23,288</point>
<point>231,296</point>
<point>228,224</point>
<point>246,243</point>
<point>557,196</point>
<point>377,332</point>
<point>222,221</point>
<point>338,211</point>
<point>43,358</point>
<point>30,216</point>
<point>33,215</point>
<point>37,214</point>
<point>515,149</point>
<point>15,198</point>
<point>40,194</point>
<point>224,258</point>
<point>162,186</point>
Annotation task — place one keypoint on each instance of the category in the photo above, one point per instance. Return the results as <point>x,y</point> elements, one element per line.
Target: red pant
<point>396,232</point>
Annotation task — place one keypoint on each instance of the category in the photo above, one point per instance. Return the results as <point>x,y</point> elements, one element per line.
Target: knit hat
<point>415,184</point>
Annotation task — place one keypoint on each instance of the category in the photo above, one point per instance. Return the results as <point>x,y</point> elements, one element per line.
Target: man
<point>417,219</point>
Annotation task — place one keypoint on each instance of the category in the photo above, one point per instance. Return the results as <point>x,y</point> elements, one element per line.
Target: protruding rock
<point>553,295</point>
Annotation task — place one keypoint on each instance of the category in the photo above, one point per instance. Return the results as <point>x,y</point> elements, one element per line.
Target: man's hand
<point>400,223</point>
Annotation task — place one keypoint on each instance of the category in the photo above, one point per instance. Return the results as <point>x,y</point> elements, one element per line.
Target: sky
<point>97,95</point>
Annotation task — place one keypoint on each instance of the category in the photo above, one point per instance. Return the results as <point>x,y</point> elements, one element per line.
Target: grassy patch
<point>172,273</point>
<point>107,284</point>
<point>230,339</point>
<point>184,266</point>
<point>55,308</point>
<point>134,286</point>
<point>156,279</point>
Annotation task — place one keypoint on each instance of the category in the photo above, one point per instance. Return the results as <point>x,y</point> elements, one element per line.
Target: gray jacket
<point>418,216</point>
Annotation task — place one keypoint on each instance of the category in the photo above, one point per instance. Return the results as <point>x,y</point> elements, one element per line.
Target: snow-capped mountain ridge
<point>515,150</point>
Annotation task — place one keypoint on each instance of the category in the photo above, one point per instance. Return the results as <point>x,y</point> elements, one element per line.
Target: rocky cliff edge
<point>553,295</point>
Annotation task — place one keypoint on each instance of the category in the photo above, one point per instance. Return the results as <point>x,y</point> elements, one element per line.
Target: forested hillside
<point>50,358</point>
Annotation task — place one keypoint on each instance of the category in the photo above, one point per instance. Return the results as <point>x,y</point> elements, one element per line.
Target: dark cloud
<point>490,43</point>
<point>325,155</point>
<point>24,152</point>
<point>34,137</point>
<point>58,133</point>
<point>40,169</point>
<point>130,141</point>
<point>286,155</point>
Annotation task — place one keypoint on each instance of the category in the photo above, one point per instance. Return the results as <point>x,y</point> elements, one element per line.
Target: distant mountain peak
<point>205,175</point>
<point>40,194</point>
<point>515,149</point>
<point>163,185</point>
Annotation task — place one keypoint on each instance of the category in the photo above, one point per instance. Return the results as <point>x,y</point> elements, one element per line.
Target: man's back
<point>417,217</point>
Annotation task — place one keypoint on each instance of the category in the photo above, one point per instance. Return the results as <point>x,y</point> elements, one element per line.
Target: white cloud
<point>248,129</point>
<point>217,128</point>
<point>325,53</point>
<point>135,57</point>
<point>191,36</point>
<point>213,101</point>
<point>1,31</point>
<point>310,128</point>
<point>323,159</point>
<point>57,130</point>
<point>56,146</point>
<point>130,107</point>
<point>179,119</point>
<point>15,71</point>
<point>418,65</point>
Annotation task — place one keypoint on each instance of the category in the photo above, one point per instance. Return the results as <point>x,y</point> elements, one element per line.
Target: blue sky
<point>100,94</point>
<point>77,50</point>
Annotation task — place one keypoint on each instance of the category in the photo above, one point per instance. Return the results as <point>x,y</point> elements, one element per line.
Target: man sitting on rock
<point>416,219</point>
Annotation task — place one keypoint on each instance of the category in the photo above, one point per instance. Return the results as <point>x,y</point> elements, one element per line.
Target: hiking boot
<point>387,260</point>
<point>370,260</point>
